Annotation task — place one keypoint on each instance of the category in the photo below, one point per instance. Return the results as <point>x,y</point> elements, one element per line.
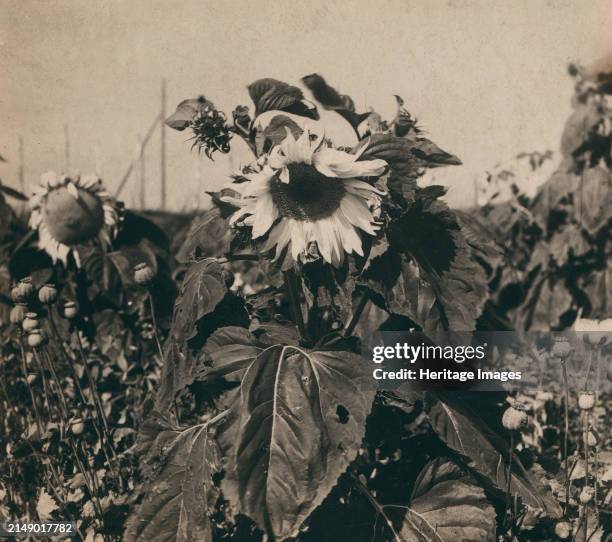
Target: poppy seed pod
<point>30,322</point>
<point>47,294</point>
<point>562,347</point>
<point>563,530</point>
<point>586,400</point>
<point>16,294</point>
<point>514,419</point>
<point>592,438</point>
<point>143,274</point>
<point>26,288</point>
<point>586,495</point>
<point>36,338</point>
<point>77,426</point>
<point>18,313</point>
<point>71,310</point>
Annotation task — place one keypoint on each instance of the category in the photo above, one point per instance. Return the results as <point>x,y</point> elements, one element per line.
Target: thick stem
<point>507,511</point>
<point>92,384</point>
<point>566,433</point>
<point>356,315</point>
<point>294,301</point>
<point>155,332</point>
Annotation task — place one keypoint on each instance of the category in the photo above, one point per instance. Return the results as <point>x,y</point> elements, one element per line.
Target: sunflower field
<point>206,378</point>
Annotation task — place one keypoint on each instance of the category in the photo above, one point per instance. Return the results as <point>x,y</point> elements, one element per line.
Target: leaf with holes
<point>485,452</point>
<point>202,289</point>
<point>292,430</point>
<point>179,492</point>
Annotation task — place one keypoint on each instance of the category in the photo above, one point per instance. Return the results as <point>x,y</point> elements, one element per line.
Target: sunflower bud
<point>71,310</point>
<point>586,495</point>
<point>514,419</point>
<point>30,322</point>
<point>586,400</point>
<point>25,289</point>
<point>36,338</point>
<point>241,116</point>
<point>18,313</point>
<point>562,347</point>
<point>47,294</point>
<point>563,530</point>
<point>143,274</point>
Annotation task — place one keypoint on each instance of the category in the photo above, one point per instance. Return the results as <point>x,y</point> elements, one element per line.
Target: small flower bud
<point>143,274</point>
<point>514,419</point>
<point>47,294</point>
<point>18,313</point>
<point>71,310</point>
<point>26,288</point>
<point>562,348</point>
<point>592,438</point>
<point>586,495</point>
<point>36,338</point>
<point>30,322</point>
<point>586,400</point>
<point>563,530</point>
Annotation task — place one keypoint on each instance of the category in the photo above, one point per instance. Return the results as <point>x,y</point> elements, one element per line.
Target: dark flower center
<point>309,195</point>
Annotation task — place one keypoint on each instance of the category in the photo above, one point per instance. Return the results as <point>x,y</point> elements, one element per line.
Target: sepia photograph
<point>308,271</point>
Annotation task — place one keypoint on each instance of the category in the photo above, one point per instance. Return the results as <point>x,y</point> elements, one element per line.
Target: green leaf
<point>578,127</point>
<point>406,158</point>
<point>179,492</point>
<point>446,506</point>
<point>209,236</point>
<point>186,111</point>
<point>275,133</point>
<point>202,289</point>
<point>292,430</point>
<point>229,350</point>
<point>593,199</point>
<point>485,452</point>
<point>271,94</point>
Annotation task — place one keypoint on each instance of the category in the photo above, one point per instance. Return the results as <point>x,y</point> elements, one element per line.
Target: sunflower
<point>305,192</point>
<point>71,211</point>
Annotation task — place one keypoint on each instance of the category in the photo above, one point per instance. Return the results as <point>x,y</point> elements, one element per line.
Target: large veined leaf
<point>598,288</point>
<point>431,234</point>
<point>179,492</point>
<point>447,506</point>
<point>593,199</point>
<point>466,433</point>
<point>330,98</point>
<point>202,289</point>
<point>406,158</point>
<point>209,236</point>
<point>229,350</point>
<point>293,428</point>
<point>271,94</point>
<point>578,127</point>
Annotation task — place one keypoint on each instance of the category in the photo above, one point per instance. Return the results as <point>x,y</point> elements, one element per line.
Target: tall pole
<point>66,149</point>
<point>21,167</point>
<point>163,144</point>
<point>141,198</point>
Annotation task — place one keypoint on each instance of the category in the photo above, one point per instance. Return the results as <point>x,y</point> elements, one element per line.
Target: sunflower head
<point>69,211</point>
<point>305,194</point>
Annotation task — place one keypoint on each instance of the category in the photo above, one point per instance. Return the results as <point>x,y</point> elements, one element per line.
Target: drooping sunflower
<point>71,211</point>
<point>307,192</point>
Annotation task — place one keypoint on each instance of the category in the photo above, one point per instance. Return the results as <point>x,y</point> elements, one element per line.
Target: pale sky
<point>486,78</point>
